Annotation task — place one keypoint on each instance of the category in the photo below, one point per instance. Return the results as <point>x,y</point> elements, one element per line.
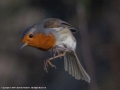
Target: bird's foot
<point>46,65</point>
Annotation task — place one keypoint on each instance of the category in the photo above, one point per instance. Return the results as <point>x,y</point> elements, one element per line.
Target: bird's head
<point>28,37</point>
<point>36,37</point>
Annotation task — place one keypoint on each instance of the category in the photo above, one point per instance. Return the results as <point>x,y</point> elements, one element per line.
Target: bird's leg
<point>53,51</point>
<point>49,59</point>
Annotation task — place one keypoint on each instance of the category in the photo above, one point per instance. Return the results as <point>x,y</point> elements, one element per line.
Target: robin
<point>55,35</point>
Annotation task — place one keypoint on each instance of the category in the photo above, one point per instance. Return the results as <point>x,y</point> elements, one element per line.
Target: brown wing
<point>55,23</point>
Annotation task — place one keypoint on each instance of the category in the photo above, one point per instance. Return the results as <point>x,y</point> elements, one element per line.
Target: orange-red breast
<point>56,35</point>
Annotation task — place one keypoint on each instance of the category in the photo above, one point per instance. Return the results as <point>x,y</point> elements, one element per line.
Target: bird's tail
<point>74,67</point>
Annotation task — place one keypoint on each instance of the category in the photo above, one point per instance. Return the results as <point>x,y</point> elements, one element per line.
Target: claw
<point>46,70</point>
<point>48,61</point>
<point>46,65</point>
<point>54,66</point>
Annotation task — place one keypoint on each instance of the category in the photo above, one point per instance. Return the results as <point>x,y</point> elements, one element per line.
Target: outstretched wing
<point>74,67</point>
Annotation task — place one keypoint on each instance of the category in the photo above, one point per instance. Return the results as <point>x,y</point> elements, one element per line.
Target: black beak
<point>23,45</point>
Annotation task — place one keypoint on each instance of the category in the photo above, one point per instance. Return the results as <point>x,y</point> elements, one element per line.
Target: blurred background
<point>98,44</point>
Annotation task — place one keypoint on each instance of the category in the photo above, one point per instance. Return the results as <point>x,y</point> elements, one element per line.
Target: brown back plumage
<point>55,23</point>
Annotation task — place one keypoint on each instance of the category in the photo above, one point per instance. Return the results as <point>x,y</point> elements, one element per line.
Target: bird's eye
<point>31,35</point>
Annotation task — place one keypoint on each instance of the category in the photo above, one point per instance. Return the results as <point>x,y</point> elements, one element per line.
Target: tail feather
<point>69,64</point>
<point>65,63</point>
<point>74,67</point>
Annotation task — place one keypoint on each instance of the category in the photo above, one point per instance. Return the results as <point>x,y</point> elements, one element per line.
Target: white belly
<point>65,40</point>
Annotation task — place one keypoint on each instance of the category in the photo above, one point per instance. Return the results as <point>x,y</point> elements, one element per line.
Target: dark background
<point>98,44</point>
